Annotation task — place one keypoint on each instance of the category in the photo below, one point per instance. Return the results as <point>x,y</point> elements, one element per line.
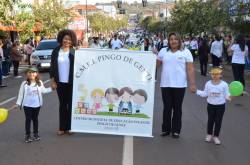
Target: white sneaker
<point>18,76</point>
<point>245,92</point>
<point>208,138</point>
<point>217,141</point>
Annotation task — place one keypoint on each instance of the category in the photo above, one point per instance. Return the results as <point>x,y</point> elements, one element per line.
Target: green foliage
<point>6,6</point>
<point>52,15</point>
<point>24,22</point>
<point>240,17</point>
<point>194,17</point>
<point>102,23</point>
<point>152,25</point>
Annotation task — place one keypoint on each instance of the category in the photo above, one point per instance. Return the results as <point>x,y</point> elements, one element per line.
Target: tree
<point>239,16</point>
<point>152,25</point>
<point>102,23</point>
<point>6,7</point>
<point>194,17</point>
<point>52,15</point>
<point>24,22</point>
<point>146,22</point>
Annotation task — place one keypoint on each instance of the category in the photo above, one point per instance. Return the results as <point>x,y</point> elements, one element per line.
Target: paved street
<point>93,149</point>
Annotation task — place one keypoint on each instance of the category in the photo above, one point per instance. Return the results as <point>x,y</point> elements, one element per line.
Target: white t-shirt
<point>116,43</point>
<point>216,94</point>
<point>63,66</point>
<point>217,48</point>
<point>238,55</point>
<point>174,72</point>
<point>186,44</point>
<point>31,98</point>
<point>194,45</point>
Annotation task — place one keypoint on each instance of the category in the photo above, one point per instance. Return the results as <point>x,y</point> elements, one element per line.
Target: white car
<point>41,57</point>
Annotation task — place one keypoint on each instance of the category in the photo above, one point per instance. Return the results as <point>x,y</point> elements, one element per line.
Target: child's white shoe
<point>217,141</point>
<point>208,138</point>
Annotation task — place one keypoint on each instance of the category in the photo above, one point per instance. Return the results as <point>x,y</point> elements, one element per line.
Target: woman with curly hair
<point>61,74</point>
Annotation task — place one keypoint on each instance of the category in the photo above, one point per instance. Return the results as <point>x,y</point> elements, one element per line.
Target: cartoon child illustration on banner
<point>112,96</point>
<point>125,105</point>
<point>97,95</point>
<point>139,98</point>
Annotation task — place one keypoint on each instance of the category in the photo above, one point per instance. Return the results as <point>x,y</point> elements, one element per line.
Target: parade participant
<point>16,57</point>
<point>217,92</point>
<point>177,63</point>
<point>116,43</point>
<point>203,52</point>
<point>30,99</point>
<point>187,43</point>
<point>239,52</point>
<point>193,47</point>
<point>95,43</point>
<point>146,45</point>
<point>216,51</point>
<point>160,43</point>
<point>61,74</point>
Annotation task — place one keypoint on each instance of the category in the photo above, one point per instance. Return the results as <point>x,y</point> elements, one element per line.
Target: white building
<point>107,8</point>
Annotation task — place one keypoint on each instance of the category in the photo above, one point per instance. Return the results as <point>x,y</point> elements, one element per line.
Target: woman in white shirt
<point>95,43</point>
<point>216,51</point>
<point>239,50</point>
<point>61,74</point>
<point>177,64</point>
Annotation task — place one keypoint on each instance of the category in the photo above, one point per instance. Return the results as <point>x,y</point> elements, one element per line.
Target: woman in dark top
<point>203,52</point>
<point>61,74</point>
<point>146,44</point>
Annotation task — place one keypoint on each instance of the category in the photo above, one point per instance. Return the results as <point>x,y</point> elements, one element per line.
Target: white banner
<point>113,92</point>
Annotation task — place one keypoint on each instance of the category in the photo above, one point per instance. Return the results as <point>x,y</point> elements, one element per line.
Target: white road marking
<point>128,151</point>
<point>13,98</point>
<point>6,101</point>
<point>45,82</point>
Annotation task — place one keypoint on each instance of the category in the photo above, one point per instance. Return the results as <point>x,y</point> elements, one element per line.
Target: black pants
<point>215,116</point>
<point>31,114</point>
<point>203,67</point>
<point>172,113</point>
<point>16,66</point>
<point>193,53</point>
<point>238,72</point>
<point>1,73</point>
<point>64,91</point>
<point>215,61</point>
<point>28,58</point>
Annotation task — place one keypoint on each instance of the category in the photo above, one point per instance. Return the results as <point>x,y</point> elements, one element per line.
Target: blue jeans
<point>5,67</point>
<point>1,74</point>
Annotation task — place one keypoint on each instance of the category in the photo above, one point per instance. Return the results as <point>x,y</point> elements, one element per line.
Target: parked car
<point>41,57</point>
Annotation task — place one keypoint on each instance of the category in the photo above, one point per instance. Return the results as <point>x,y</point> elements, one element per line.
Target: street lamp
<point>119,4</point>
<point>87,26</point>
<point>144,3</point>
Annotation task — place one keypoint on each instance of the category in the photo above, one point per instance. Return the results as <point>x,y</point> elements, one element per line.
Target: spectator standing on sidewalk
<point>6,52</point>
<point>28,49</point>
<point>16,57</point>
<point>239,52</point>
<point>1,60</point>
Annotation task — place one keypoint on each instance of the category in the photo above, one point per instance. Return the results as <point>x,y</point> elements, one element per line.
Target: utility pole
<point>87,26</point>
